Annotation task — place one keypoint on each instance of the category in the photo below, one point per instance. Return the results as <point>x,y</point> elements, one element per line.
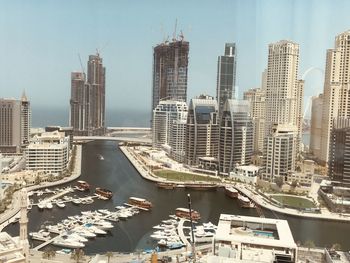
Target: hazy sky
<point>40,42</point>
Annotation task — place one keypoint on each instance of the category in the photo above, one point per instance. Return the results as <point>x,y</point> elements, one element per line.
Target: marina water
<point>117,174</point>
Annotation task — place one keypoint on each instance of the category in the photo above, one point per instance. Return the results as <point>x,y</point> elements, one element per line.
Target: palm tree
<point>49,253</point>
<point>309,244</point>
<point>109,254</point>
<point>78,254</point>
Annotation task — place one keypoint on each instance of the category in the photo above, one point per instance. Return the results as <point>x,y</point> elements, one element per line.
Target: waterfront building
<point>226,76</point>
<point>236,136</point>
<point>87,103</point>
<point>256,98</point>
<point>170,66</point>
<point>279,148</point>
<point>336,89</point>
<point>252,239</point>
<point>202,129</point>
<point>339,152</point>
<point>68,132</point>
<point>284,92</point>
<point>316,125</point>
<point>246,173</point>
<point>15,124</point>
<point>48,152</point>
<point>168,128</point>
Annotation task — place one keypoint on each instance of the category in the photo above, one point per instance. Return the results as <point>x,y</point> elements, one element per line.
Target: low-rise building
<point>10,250</point>
<point>246,173</point>
<point>253,239</point>
<point>48,152</point>
<point>300,177</point>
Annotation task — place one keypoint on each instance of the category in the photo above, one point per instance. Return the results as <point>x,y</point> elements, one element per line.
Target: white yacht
<point>68,243</point>
<point>60,204</point>
<point>49,205</point>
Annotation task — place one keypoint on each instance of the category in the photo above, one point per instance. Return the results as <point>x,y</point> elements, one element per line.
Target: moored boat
<point>245,202</point>
<point>166,185</point>
<point>82,186</point>
<point>140,202</point>
<point>185,213</point>
<point>202,186</point>
<point>231,191</point>
<point>104,193</point>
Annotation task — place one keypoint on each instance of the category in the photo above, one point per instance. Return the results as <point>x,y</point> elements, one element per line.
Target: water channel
<point>117,174</point>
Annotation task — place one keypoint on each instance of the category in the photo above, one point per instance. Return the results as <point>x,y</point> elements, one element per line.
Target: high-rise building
<point>236,135</point>
<point>339,152</point>
<point>169,126</point>
<point>256,98</point>
<point>226,75</point>
<point>87,116</point>
<point>170,66</point>
<point>316,125</point>
<point>284,92</point>
<point>202,129</point>
<point>279,149</point>
<point>15,124</point>
<point>336,100</point>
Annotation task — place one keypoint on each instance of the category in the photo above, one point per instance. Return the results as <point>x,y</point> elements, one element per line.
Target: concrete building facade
<point>336,100</point>
<point>15,116</point>
<point>236,136</point>
<point>170,66</point>
<point>279,157</point>
<point>169,126</point>
<point>316,125</point>
<point>202,129</point>
<point>226,76</point>
<point>256,98</point>
<point>48,152</point>
<point>87,113</point>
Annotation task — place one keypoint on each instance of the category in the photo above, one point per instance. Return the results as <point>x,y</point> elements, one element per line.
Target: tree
<point>109,254</point>
<point>49,253</point>
<point>78,254</point>
<point>309,244</point>
<point>279,181</point>
<point>294,183</point>
<point>336,246</point>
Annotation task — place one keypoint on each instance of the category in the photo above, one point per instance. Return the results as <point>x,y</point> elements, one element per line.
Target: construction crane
<point>81,64</point>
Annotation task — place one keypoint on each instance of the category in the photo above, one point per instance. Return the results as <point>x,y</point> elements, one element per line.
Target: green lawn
<point>294,201</point>
<point>183,177</point>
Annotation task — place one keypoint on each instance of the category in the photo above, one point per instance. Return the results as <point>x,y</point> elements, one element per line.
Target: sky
<point>41,42</point>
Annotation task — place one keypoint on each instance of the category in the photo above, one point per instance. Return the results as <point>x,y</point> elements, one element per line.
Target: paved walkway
<point>15,205</point>
<point>257,198</point>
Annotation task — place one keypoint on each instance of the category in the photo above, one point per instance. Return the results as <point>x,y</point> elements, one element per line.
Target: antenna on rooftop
<point>174,34</point>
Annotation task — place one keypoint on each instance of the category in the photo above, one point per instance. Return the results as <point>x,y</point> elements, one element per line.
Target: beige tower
<point>23,222</point>
<point>336,98</point>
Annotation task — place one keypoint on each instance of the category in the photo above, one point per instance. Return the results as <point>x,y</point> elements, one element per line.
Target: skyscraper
<point>202,129</point>
<point>226,75</point>
<point>87,114</point>
<point>284,92</point>
<point>169,126</point>
<point>316,125</point>
<point>336,100</point>
<point>236,135</point>
<point>170,66</point>
<point>15,124</point>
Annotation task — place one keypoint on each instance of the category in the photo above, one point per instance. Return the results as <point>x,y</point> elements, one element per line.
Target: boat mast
<point>193,247</point>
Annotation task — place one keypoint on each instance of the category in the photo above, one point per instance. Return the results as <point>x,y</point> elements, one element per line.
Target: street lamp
<point>193,246</point>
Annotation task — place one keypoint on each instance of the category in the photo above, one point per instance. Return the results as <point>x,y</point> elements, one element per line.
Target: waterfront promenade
<point>243,188</point>
<point>10,213</point>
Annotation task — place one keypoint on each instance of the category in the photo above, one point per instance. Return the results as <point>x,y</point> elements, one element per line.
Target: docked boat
<point>70,243</point>
<point>101,157</point>
<point>104,193</point>
<point>245,202</point>
<point>76,201</point>
<point>49,205</point>
<point>162,243</point>
<point>202,187</point>
<point>82,186</point>
<point>140,202</point>
<point>231,191</point>
<point>175,245</point>
<point>185,213</point>
<point>166,185</point>
<point>41,205</point>
<point>60,204</point>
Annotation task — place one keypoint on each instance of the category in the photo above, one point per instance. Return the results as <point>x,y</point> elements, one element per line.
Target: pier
<point>180,231</point>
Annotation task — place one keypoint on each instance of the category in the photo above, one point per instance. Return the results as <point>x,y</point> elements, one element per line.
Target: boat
<point>82,186</point>
<point>140,202</point>
<point>77,237</point>
<point>85,233</point>
<point>104,193</point>
<point>41,205</point>
<point>70,243</point>
<point>245,202</point>
<point>202,187</point>
<point>101,157</point>
<point>49,205</point>
<point>175,245</point>
<point>185,213</point>
<point>119,207</point>
<point>231,191</point>
<point>166,185</point>
<point>162,243</point>
<point>76,201</point>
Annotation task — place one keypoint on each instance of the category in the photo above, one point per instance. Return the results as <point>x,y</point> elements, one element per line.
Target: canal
<point>117,174</point>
